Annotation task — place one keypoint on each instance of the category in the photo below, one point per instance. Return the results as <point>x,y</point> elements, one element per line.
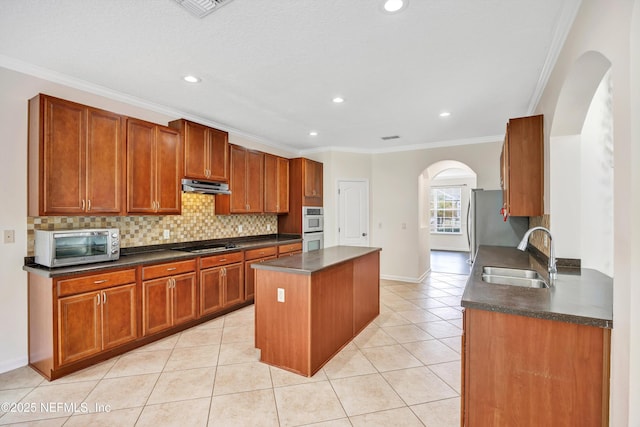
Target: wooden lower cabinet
<point>168,296</point>
<point>524,371</point>
<point>253,256</point>
<point>95,321</point>
<point>72,319</point>
<point>221,282</point>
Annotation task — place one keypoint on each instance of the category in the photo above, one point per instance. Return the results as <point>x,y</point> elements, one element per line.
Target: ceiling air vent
<point>201,8</point>
<point>388,138</point>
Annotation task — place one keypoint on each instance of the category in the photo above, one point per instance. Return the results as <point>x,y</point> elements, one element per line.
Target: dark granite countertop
<point>131,257</point>
<point>311,262</point>
<point>582,296</point>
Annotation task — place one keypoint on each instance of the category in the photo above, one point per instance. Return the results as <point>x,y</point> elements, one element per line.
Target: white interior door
<point>353,213</point>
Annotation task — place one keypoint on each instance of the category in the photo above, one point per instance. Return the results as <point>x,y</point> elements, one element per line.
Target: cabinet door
<point>196,150</point>
<point>169,171</point>
<point>270,183</point>
<point>218,155</point>
<point>184,298</point>
<point>141,169</point>
<point>250,278</point>
<point>238,178</point>
<point>233,284</point>
<point>283,185</point>
<point>63,153</point>
<point>105,162</point>
<point>79,329</point>
<point>312,183</point>
<point>211,282</point>
<point>276,184</point>
<point>118,315</point>
<point>156,305</point>
<point>255,181</point>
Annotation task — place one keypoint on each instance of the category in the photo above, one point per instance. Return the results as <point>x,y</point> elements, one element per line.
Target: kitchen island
<point>308,306</point>
<point>532,356</point>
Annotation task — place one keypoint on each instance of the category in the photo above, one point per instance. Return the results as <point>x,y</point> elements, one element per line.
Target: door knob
<point>364,234</point>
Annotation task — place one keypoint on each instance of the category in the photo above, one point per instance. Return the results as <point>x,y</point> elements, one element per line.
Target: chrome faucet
<point>553,271</point>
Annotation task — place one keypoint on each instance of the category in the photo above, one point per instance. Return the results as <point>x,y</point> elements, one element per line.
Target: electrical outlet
<point>545,240</point>
<point>240,228</point>
<point>166,234</point>
<point>280,295</point>
<point>9,236</point>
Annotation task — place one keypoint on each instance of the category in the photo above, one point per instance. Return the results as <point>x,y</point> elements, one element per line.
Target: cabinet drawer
<point>260,252</point>
<point>95,282</point>
<point>169,269</point>
<point>222,259</point>
<point>290,247</point>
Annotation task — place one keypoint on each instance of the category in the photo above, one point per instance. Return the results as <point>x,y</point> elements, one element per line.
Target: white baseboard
<point>405,278</point>
<point>10,365</point>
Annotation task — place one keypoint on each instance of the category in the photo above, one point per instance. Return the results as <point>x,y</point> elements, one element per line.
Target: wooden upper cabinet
<point>246,183</point>
<point>76,159</point>
<point>276,184</point>
<point>312,172</point>
<point>154,168</point>
<point>522,167</point>
<point>206,151</point>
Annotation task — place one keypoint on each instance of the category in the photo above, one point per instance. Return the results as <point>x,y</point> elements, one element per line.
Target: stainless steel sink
<point>513,277</point>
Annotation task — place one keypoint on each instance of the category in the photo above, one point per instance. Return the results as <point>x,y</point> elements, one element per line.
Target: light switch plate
<point>280,295</point>
<point>166,234</point>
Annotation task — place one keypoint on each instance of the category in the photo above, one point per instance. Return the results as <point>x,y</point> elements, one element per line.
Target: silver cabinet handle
<point>88,205</point>
<point>171,268</point>
<point>97,282</point>
<point>98,299</point>
<point>82,204</point>
<point>104,298</point>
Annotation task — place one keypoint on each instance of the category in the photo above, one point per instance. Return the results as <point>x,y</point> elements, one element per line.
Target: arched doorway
<point>444,202</point>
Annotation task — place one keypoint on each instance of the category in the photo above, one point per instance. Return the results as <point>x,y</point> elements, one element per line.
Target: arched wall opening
<point>581,165</point>
<point>444,174</point>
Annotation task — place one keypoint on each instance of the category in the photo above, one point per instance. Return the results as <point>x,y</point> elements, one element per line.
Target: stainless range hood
<point>204,187</point>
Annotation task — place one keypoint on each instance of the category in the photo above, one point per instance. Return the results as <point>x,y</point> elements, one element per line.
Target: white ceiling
<point>269,69</point>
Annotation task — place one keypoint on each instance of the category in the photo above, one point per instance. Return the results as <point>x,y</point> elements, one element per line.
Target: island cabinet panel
<point>331,313</point>
<point>304,317</point>
<point>527,371</point>
<point>283,328</point>
<point>366,290</point>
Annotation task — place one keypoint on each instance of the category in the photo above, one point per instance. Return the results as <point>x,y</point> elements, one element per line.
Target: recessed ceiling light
<point>393,6</point>
<point>445,114</point>
<point>191,79</point>
<point>313,133</point>
<point>338,100</point>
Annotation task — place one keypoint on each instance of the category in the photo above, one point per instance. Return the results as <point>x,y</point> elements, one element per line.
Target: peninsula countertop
<point>311,262</point>
<point>583,296</point>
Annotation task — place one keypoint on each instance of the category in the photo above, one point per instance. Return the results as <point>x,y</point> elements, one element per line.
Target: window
<point>445,210</point>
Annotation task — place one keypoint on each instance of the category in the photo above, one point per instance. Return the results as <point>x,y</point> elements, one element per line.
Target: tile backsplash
<point>197,222</point>
<point>537,238</point>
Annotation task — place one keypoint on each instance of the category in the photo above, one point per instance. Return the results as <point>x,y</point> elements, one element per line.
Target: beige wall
<point>605,27</point>
<point>395,185</point>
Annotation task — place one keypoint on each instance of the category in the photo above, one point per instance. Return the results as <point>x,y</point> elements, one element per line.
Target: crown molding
<point>561,31</point>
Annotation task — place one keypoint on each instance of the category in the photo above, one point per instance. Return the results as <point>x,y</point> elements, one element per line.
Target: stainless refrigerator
<point>485,224</point>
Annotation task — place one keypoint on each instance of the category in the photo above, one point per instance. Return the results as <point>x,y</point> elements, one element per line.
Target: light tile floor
<point>402,370</point>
